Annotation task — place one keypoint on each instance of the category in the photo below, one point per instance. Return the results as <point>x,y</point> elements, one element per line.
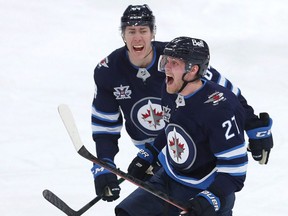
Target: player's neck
<point>144,61</point>
<point>191,87</point>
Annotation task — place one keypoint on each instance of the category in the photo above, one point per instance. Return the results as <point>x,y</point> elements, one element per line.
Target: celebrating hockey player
<point>202,149</point>
<point>128,87</point>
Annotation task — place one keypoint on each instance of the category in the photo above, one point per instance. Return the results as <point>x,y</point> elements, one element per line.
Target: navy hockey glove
<point>204,204</point>
<point>144,163</point>
<point>106,183</point>
<point>260,137</point>
<point>140,166</point>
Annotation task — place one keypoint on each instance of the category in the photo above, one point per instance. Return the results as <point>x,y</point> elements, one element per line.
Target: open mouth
<point>138,48</point>
<point>169,79</point>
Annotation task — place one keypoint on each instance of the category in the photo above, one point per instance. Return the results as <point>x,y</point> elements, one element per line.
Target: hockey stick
<point>60,204</point>
<point>72,130</point>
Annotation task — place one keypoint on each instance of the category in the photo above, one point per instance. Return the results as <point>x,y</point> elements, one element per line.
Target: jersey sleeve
<point>213,75</point>
<point>160,141</point>
<point>106,117</point>
<point>226,134</point>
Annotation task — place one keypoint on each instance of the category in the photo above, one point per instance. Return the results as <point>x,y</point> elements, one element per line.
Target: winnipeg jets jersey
<point>126,91</point>
<point>204,138</point>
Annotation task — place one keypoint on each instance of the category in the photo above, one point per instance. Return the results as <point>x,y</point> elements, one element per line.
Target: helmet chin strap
<point>186,82</point>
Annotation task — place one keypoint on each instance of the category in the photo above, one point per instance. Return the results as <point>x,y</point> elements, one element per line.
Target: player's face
<point>138,40</point>
<point>174,70</point>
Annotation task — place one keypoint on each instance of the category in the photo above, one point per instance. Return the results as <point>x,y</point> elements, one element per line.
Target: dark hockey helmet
<point>138,15</point>
<point>191,50</point>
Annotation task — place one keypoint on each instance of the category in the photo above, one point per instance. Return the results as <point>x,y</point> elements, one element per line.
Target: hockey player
<point>128,86</point>
<point>202,149</point>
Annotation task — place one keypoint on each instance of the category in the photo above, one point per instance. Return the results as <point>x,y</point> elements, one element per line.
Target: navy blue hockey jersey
<point>124,90</point>
<point>204,138</point>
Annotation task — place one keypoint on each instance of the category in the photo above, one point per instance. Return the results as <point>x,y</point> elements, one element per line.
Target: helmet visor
<point>162,62</point>
<point>173,62</point>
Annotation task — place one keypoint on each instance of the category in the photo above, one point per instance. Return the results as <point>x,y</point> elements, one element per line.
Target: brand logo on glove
<point>263,133</point>
<point>100,169</point>
<point>211,197</point>
<point>144,153</point>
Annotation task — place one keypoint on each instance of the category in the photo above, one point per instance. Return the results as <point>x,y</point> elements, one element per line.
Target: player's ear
<point>123,38</point>
<point>193,72</point>
<point>195,69</point>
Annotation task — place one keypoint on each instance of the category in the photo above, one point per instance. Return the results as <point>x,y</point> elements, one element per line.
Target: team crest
<point>103,62</point>
<point>215,98</point>
<point>176,147</point>
<point>122,92</point>
<point>147,116</point>
<point>180,147</point>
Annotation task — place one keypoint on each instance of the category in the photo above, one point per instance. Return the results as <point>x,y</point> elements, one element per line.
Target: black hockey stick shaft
<point>86,154</point>
<point>60,204</point>
<point>72,130</point>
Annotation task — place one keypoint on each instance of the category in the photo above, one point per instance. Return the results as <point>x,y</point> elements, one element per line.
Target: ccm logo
<point>263,133</point>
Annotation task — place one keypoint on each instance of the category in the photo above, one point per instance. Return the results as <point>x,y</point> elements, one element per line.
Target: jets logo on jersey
<point>122,92</point>
<point>180,147</point>
<point>147,116</point>
<point>215,98</point>
<point>104,63</point>
<point>152,116</point>
<point>176,147</point>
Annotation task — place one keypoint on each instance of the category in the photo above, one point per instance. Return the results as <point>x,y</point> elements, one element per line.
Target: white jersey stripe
<point>109,117</point>
<point>100,129</point>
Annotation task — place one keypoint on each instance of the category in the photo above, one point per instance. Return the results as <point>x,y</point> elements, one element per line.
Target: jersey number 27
<point>228,124</point>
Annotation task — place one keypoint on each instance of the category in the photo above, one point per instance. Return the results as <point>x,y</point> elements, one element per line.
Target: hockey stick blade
<point>60,204</point>
<point>69,123</point>
<point>68,120</point>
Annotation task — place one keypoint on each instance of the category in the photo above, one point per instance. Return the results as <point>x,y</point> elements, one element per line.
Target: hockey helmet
<point>192,51</point>
<point>138,15</point>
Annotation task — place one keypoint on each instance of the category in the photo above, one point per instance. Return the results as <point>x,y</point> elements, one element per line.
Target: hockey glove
<point>260,138</point>
<point>141,167</point>
<point>106,183</point>
<point>138,168</point>
<point>204,204</point>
